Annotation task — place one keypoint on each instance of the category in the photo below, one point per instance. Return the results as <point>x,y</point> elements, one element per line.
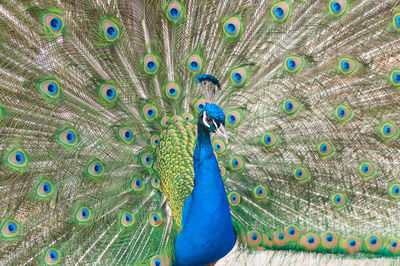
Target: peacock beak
<point>220,131</point>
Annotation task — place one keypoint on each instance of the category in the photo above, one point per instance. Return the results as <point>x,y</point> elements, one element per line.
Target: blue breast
<point>207,233</point>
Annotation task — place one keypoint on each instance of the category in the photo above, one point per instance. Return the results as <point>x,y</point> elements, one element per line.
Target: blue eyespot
<point>174,13</point>
<point>55,23</point>
<point>12,227</point>
<point>365,168</point>
<point>201,106</point>
<point>155,217</point>
<point>53,255</point>
<point>85,213</point>
<point>237,77</point>
<point>352,243</point>
<point>230,28</point>
<point>232,119</point>
<point>138,183</point>
<point>70,137</point>
<point>387,130</point>
<point>259,191</point>
<point>128,217</point>
<point>292,231</point>
<point>291,64</point>
<point>396,77</point>
<point>341,112</point>
<point>128,134</point>
<point>289,106</point>
<point>233,198</point>
<point>110,93</point>
<point>235,162</point>
<point>151,66</point>
<point>311,240</point>
<point>393,244</point>
<point>281,236</point>
<point>299,173</point>
<point>336,7</point>
<point>52,88</point>
<point>345,65</point>
<point>97,168</point>
<point>46,187</point>
<point>373,240</point>
<point>396,190</point>
<point>338,199</point>
<point>156,180</point>
<point>111,32</point>
<point>278,11</point>
<point>19,157</point>
<point>172,92</point>
<point>157,262</point>
<point>329,238</point>
<point>150,112</point>
<point>254,237</point>
<point>194,65</point>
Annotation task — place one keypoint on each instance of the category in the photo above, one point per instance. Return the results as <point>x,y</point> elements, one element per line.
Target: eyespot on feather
<point>200,104</point>
<point>338,199</point>
<point>68,138</point>
<point>234,198</point>
<point>292,233</point>
<point>150,112</point>
<point>343,113</point>
<point>52,256</point>
<point>174,11</point>
<point>253,238</point>
<point>367,170</point>
<point>301,174</point>
<point>155,182</point>
<point>325,149</point>
<point>137,183</point>
<point>239,76</point>
<point>260,192</point>
<point>110,30</point>
<point>232,27</point>
<point>158,261</point>
<point>388,131</point>
<point>394,191</point>
<point>83,214</point>
<point>194,63</point>
<point>146,159</point>
<point>150,64</point>
<point>54,24</point>
<point>126,134</point>
<point>396,21</point>
<point>10,229</point>
<point>155,141</point>
<point>188,117</point>
<point>347,66</point>
<point>373,243</point>
<point>329,240</point>
<point>393,245</point>
<point>95,168</point>
<point>395,77</point>
<point>166,121</point>
<point>127,219</point>
<point>267,241</point>
<point>44,188</point>
<point>280,239</point>
<point>280,11</point>
<point>233,118</point>
<point>155,219</point>
<point>236,163</point>
<point>50,88</point>
<point>293,64</point>
<point>310,242</point>
<point>269,139</point>
<point>291,106</point>
<point>172,90</point>
<point>352,245</point>
<point>17,159</point>
<point>338,7</point>
<point>219,145</point>
<point>108,93</point>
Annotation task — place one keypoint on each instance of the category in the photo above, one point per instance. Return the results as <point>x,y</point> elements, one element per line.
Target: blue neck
<point>207,233</point>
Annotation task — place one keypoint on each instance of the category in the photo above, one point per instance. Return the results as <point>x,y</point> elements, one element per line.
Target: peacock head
<point>212,119</point>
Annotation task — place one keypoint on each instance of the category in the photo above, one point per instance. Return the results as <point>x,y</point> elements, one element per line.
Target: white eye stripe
<point>205,118</point>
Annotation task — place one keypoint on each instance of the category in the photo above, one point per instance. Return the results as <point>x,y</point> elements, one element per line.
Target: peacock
<point>188,132</point>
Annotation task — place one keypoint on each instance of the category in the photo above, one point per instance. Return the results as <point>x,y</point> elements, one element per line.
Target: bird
<point>187,132</point>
